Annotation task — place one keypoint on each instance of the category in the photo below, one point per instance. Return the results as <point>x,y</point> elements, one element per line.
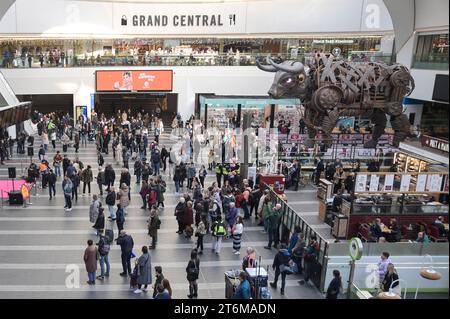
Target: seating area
<point>408,232</point>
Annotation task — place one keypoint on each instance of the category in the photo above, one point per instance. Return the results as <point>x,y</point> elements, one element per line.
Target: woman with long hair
<point>193,271</point>
<point>237,231</point>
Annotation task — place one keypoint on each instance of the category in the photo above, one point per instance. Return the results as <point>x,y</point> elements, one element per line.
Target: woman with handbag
<point>281,265</point>
<point>237,231</point>
<point>144,267</point>
<point>193,270</point>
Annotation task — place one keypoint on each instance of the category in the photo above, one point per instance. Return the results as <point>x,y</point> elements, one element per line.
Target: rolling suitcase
<point>64,148</point>
<point>109,234</point>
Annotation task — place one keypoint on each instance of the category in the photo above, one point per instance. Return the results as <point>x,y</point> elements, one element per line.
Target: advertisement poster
<point>434,183</point>
<point>361,182</point>
<point>161,80</point>
<point>374,182</point>
<point>406,181</point>
<point>388,183</point>
<point>421,182</point>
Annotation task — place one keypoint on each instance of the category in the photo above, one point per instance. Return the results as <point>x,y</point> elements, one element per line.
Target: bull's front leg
<point>312,132</point>
<point>328,124</point>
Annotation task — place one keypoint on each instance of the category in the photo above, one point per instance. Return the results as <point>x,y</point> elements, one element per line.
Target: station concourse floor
<point>39,241</point>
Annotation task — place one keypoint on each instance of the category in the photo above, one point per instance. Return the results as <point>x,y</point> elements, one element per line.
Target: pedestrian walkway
<point>39,242</point>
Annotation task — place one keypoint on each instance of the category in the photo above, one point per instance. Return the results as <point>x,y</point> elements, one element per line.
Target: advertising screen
<point>110,81</point>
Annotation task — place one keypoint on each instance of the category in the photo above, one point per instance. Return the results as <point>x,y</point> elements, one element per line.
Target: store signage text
<point>333,41</point>
<point>435,143</point>
<point>198,20</point>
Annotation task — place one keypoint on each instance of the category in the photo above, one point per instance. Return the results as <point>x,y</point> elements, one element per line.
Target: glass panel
<point>432,52</point>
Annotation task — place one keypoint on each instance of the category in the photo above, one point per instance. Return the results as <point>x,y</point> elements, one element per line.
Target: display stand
<point>325,189</point>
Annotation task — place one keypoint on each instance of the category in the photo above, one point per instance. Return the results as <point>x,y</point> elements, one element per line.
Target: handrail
<point>167,59</point>
<point>279,200</point>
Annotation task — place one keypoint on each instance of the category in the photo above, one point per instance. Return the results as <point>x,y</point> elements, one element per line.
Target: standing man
<point>51,178</point>
<point>57,160</point>
<point>87,178</point>
<point>273,229</point>
<point>126,246</point>
<point>67,188</point>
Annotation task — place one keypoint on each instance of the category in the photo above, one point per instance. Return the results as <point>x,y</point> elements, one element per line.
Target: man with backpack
<point>227,199</point>
<point>218,231</point>
<point>103,250</point>
<point>214,212</point>
<point>67,188</point>
<point>310,258</point>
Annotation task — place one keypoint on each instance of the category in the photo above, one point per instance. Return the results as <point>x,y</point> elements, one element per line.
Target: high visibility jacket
<point>219,169</point>
<point>219,229</point>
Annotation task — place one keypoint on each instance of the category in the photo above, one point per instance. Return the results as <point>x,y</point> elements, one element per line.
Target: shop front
<point>414,199</point>
<point>231,111</point>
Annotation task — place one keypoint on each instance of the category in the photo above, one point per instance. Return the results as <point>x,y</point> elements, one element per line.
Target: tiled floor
<point>37,243</point>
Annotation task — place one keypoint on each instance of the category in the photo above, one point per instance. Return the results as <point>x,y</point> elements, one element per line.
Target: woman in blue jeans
<point>103,250</point>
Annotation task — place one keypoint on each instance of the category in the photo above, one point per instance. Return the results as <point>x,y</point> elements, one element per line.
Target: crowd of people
<point>218,210</point>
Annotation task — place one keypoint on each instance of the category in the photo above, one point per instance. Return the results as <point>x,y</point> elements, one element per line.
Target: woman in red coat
<point>188,219</point>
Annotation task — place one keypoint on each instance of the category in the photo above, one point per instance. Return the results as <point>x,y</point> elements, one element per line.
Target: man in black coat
<point>126,246</point>
<point>51,178</point>
<point>138,170</point>
<point>110,176</point>
<point>319,169</point>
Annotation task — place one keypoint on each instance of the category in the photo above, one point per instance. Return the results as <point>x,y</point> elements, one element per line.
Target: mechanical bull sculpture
<point>333,88</point>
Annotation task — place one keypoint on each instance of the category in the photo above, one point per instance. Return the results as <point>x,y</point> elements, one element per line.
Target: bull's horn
<point>267,68</point>
<point>295,67</point>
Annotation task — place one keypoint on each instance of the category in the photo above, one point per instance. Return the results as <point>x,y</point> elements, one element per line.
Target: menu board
<point>388,183</point>
<point>406,181</point>
<point>361,182</point>
<point>374,182</point>
<point>434,183</point>
<point>421,182</point>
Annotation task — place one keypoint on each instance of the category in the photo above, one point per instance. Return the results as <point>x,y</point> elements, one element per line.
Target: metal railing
<point>289,220</point>
<point>220,59</point>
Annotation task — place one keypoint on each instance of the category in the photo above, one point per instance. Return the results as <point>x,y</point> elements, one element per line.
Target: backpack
<point>158,224</point>
<point>226,202</point>
<point>152,197</point>
<point>106,248</point>
<point>110,199</point>
<point>67,189</point>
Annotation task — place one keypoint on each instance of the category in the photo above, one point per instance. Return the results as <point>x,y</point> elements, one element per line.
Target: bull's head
<point>291,80</point>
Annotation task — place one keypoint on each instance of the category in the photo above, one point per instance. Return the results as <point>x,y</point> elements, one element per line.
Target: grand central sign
<point>197,20</point>
<point>175,19</point>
